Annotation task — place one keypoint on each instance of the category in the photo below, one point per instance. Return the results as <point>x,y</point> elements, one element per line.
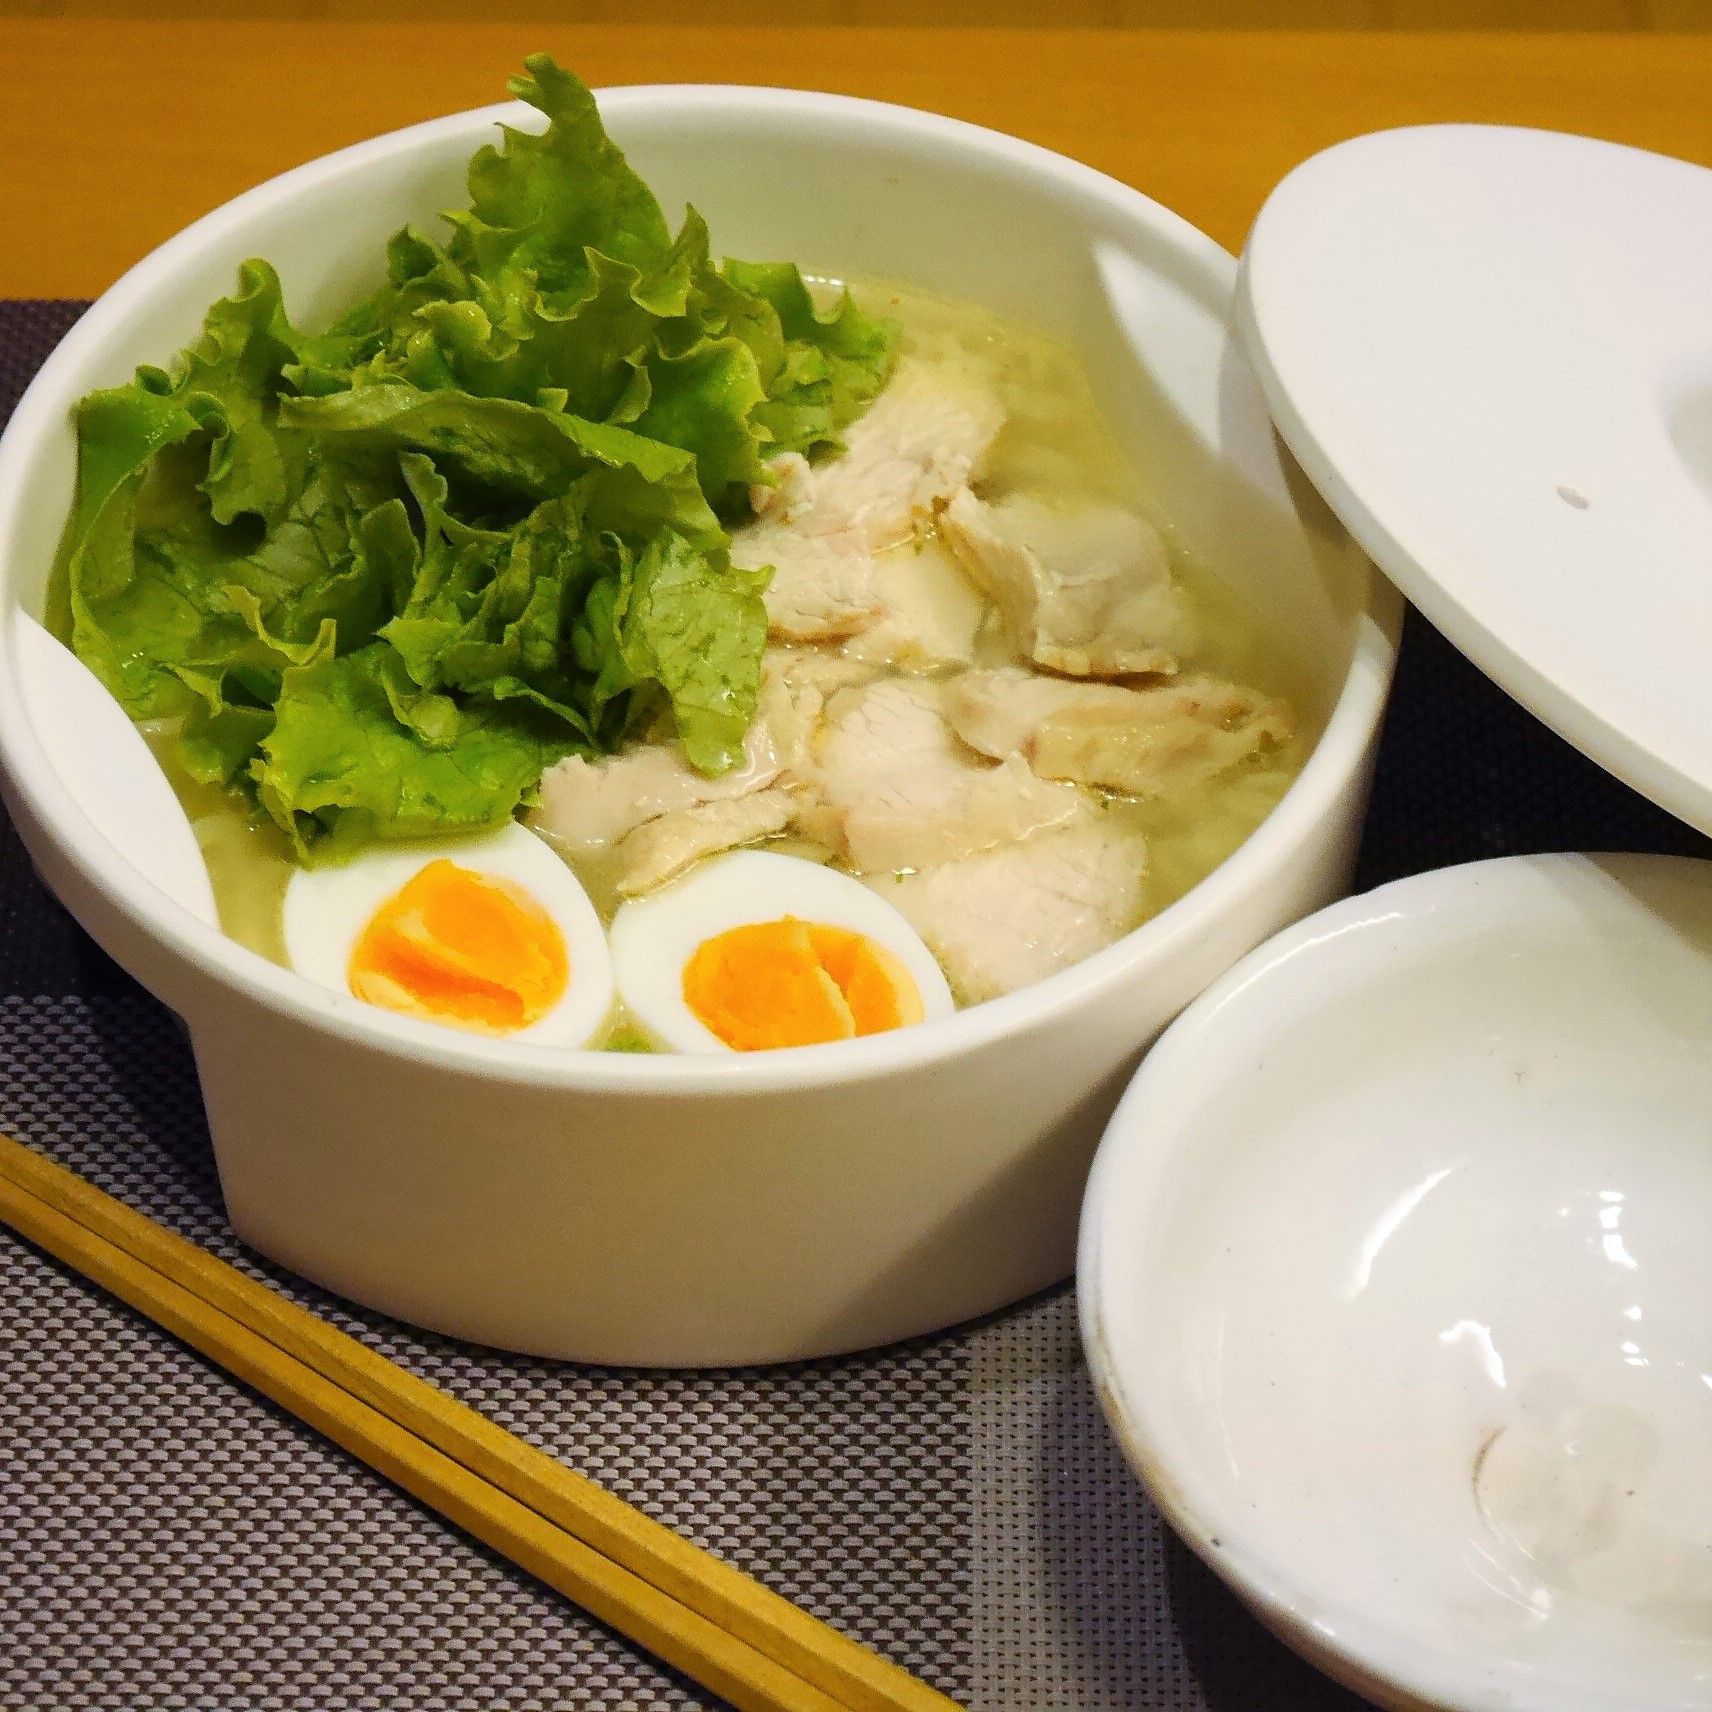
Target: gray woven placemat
<point>169,1540</point>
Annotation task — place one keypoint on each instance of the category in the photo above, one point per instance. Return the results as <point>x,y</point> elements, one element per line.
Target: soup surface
<point>1140,784</point>
<point>592,643</point>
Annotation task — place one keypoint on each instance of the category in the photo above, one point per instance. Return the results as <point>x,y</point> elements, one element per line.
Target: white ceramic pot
<point>694,1211</point>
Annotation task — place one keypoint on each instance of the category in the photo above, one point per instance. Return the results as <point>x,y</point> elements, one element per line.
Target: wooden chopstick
<point>706,1619</point>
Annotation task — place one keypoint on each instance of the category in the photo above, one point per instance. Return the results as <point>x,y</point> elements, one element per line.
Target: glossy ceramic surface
<point>106,765</point>
<point>1395,1284</point>
<point>1488,347</point>
<point>697,1210</point>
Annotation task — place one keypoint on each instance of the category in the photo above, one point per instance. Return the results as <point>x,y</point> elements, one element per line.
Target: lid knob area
<point>1491,351</point>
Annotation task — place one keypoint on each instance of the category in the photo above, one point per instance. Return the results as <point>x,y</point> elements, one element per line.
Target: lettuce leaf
<point>385,573</point>
<point>498,449</point>
<point>351,758</point>
<point>830,366</point>
<point>540,204</point>
<point>692,625</point>
<point>489,612</point>
<point>696,626</point>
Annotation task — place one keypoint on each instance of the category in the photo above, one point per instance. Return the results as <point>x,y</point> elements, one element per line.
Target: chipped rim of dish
<point>98,861</point>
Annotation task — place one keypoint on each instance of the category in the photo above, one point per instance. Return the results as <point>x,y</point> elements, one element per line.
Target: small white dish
<point>1397,1288</point>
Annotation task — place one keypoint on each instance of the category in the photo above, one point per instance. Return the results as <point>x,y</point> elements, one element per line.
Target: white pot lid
<point>1491,351</point>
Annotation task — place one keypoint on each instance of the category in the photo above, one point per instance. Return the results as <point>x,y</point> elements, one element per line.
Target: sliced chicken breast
<point>1000,712</point>
<point>823,586</point>
<point>904,792</point>
<point>795,684</point>
<point>1001,919</point>
<point>664,847</point>
<point>930,613</point>
<point>904,457</point>
<point>790,490</point>
<point>589,805</point>
<point>1146,742</point>
<point>1086,591</point>
<point>820,526</point>
<point>915,446</point>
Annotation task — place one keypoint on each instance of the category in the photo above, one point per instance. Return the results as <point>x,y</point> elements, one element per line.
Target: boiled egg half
<point>757,950</point>
<point>493,934</point>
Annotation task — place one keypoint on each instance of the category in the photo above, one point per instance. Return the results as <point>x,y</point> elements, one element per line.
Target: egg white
<point>326,910</point>
<point>653,937</point>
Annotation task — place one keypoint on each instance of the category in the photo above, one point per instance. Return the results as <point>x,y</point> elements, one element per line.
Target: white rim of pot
<point>1340,751</point>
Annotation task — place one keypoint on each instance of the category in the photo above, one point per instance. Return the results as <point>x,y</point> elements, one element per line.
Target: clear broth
<point>1057,442</point>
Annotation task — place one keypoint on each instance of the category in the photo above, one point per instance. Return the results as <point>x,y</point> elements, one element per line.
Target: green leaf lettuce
<point>383,575</point>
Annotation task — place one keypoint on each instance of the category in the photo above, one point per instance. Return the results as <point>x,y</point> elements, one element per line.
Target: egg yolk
<point>459,947</point>
<point>797,983</point>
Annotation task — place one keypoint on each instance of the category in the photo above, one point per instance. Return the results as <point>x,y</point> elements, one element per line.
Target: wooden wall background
<point>122,120</point>
<point>1108,14</point>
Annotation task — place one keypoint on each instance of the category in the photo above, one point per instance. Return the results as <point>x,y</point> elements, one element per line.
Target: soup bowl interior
<point>787,1203</point>
<point>1393,1285</point>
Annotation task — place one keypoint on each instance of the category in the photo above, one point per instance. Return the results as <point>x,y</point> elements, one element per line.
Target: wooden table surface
<point>116,133</point>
